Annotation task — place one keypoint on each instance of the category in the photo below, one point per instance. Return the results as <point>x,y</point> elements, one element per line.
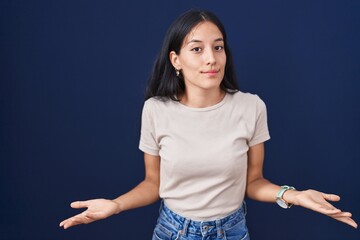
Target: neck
<point>202,99</point>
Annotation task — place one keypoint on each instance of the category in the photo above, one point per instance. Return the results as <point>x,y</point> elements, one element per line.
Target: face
<point>202,57</point>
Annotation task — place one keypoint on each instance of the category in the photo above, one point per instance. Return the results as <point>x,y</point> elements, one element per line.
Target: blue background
<point>73,75</point>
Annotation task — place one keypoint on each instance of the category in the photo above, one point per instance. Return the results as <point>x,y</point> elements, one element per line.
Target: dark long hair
<point>163,82</point>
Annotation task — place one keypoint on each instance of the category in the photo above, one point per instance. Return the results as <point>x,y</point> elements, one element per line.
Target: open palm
<point>318,201</point>
<point>96,209</point>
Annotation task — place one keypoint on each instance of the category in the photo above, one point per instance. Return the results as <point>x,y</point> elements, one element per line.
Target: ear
<point>174,59</point>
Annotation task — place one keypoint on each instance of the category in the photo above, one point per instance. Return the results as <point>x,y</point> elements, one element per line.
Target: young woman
<point>203,143</point>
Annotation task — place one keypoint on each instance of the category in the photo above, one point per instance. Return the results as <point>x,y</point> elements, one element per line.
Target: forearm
<point>147,192</point>
<point>258,188</point>
<point>262,190</point>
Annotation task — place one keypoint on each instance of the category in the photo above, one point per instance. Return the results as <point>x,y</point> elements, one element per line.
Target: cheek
<point>224,65</point>
<point>223,59</point>
<point>190,65</point>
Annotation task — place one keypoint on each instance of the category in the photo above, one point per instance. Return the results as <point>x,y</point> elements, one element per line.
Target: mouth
<point>211,72</point>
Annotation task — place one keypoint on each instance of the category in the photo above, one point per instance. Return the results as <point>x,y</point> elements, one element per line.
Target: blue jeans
<point>171,226</point>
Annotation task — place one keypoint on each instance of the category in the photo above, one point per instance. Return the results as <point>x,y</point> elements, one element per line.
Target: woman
<point>203,143</point>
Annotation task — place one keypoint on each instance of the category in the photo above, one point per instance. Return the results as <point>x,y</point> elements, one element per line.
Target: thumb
<point>331,197</point>
<point>79,204</point>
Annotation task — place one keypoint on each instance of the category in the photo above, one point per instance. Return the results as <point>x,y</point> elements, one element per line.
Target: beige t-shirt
<point>203,151</point>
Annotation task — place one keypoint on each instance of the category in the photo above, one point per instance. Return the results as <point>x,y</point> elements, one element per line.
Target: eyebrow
<point>199,41</point>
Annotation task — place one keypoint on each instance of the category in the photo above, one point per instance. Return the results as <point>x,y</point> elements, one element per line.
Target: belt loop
<point>161,206</point>
<point>219,229</point>
<point>185,227</point>
<point>245,208</point>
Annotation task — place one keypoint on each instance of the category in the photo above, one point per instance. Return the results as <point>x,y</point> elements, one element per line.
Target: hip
<point>172,226</point>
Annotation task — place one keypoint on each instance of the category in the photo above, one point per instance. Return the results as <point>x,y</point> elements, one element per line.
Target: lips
<point>211,71</point>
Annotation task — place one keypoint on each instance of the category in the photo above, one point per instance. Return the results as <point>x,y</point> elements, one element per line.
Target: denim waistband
<point>202,228</point>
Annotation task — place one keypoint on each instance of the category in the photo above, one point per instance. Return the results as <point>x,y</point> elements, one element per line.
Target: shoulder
<point>157,104</point>
<point>246,98</point>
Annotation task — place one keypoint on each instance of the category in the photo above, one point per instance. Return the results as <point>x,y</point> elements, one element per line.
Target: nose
<point>210,57</point>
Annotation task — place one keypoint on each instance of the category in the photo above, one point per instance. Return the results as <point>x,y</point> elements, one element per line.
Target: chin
<point>211,86</point>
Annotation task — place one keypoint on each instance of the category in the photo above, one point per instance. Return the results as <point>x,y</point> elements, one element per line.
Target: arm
<point>145,193</point>
<point>260,189</point>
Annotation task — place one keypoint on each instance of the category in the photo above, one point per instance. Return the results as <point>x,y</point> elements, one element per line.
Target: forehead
<point>204,31</point>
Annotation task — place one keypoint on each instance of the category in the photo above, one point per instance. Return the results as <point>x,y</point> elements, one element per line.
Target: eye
<point>219,48</point>
<point>196,49</point>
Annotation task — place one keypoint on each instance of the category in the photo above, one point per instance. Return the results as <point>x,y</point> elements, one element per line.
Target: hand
<point>96,209</point>
<point>318,201</point>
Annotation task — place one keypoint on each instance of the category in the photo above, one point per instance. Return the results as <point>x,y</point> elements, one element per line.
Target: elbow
<point>253,186</point>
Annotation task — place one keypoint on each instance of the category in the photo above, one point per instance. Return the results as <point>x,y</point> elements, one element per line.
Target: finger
<point>79,204</point>
<point>327,208</point>
<point>328,211</point>
<point>331,197</point>
<point>341,214</point>
<point>76,221</point>
<point>62,223</point>
<point>348,221</point>
<point>68,223</point>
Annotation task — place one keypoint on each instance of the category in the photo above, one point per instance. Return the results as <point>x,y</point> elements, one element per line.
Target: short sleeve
<point>148,143</point>
<point>261,131</point>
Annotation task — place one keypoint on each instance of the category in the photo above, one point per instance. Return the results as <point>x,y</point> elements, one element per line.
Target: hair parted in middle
<point>164,82</point>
